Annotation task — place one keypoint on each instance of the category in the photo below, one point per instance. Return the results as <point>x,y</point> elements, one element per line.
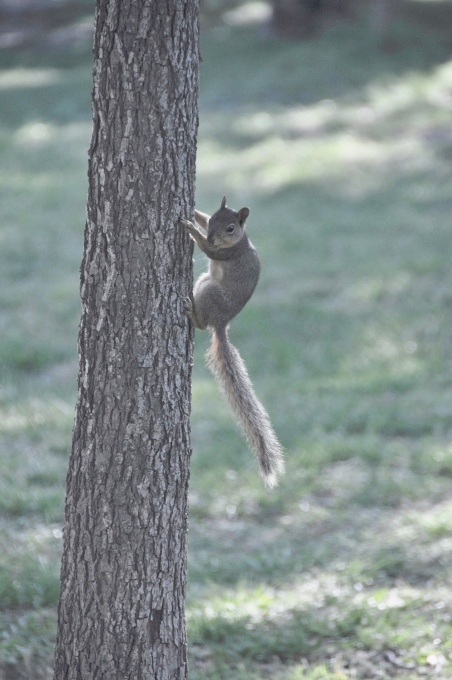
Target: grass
<point>343,154</point>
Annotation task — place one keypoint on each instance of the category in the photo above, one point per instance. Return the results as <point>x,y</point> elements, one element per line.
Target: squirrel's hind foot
<point>189,309</point>
<point>188,306</point>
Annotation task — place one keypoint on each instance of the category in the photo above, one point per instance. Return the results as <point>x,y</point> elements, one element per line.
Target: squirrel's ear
<point>223,203</point>
<point>202,219</point>
<point>243,214</point>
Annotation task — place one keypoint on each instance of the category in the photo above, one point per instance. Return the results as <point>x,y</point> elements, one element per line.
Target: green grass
<point>343,154</point>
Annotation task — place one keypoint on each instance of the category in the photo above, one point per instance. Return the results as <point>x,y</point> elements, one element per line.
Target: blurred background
<point>332,121</point>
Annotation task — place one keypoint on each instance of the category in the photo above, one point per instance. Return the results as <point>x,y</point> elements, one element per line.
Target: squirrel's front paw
<point>193,230</point>
<point>188,225</point>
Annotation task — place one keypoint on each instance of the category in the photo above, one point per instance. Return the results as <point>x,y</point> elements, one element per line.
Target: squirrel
<point>218,296</point>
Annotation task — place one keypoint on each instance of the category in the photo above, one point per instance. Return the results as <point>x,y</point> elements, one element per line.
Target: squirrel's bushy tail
<point>227,366</point>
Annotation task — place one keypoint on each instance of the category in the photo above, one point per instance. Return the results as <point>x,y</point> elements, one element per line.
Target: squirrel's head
<point>226,227</point>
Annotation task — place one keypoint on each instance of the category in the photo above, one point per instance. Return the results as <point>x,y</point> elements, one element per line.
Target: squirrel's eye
<point>230,228</point>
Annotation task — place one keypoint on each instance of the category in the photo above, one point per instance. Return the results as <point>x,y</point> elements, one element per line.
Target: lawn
<point>343,152</point>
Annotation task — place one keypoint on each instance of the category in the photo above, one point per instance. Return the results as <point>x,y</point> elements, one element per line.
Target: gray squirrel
<point>218,295</point>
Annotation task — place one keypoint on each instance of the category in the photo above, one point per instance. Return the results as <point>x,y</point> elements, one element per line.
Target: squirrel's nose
<point>210,238</point>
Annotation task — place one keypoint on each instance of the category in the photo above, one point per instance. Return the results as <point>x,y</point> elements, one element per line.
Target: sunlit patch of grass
<point>273,671</point>
<point>28,77</point>
<point>286,626</point>
<point>248,624</point>
<point>398,125</point>
<point>25,492</point>
<point>29,568</point>
<point>34,412</point>
<point>35,584</point>
<point>26,642</point>
<point>32,435</point>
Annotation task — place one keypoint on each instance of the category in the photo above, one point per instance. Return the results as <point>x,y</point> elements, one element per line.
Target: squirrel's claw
<point>188,305</point>
<point>190,227</point>
<point>186,223</point>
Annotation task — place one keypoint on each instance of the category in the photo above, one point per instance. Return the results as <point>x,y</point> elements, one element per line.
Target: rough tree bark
<point>123,576</point>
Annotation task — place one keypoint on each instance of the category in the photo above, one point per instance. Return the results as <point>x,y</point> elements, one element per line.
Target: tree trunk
<point>381,14</point>
<point>123,576</point>
<point>302,18</point>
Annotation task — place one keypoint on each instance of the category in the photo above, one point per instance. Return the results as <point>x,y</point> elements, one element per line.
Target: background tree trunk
<point>301,18</point>
<point>121,612</point>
